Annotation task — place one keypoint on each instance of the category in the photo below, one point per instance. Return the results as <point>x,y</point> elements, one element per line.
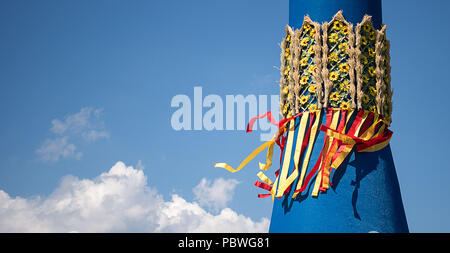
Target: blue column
<point>324,10</point>
<point>365,196</point>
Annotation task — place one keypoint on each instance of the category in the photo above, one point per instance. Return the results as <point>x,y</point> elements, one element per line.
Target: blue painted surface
<point>324,10</point>
<point>364,197</point>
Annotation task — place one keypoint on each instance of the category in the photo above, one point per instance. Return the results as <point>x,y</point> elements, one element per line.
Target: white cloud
<point>78,122</point>
<point>93,135</point>
<point>54,149</point>
<point>116,201</point>
<point>215,195</point>
<point>86,125</point>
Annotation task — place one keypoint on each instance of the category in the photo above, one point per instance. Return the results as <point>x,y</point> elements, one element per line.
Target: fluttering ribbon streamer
<point>342,135</point>
<point>253,120</point>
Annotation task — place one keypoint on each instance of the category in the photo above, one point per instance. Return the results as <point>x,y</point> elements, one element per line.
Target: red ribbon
<point>367,123</point>
<point>253,120</point>
<point>269,115</point>
<point>361,143</point>
<point>311,173</point>
<point>282,138</point>
<point>366,144</point>
<point>263,185</point>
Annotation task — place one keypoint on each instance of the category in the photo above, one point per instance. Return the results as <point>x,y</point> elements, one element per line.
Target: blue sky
<point>96,79</point>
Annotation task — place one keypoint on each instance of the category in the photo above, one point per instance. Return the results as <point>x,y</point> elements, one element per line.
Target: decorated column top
<point>335,64</point>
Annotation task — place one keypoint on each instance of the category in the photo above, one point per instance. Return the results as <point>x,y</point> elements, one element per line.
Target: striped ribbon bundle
<point>345,131</point>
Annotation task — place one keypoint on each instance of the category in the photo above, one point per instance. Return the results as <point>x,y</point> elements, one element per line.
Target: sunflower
<point>345,30</point>
<point>345,86</point>
<point>365,99</point>
<point>304,61</point>
<point>306,27</point>
<point>365,78</point>
<point>333,37</point>
<point>337,25</point>
<point>334,96</point>
<point>304,99</point>
<point>286,52</point>
<point>289,97</point>
<point>312,107</point>
<point>312,68</point>
<point>373,91</point>
<point>367,28</point>
<point>304,80</point>
<point>343,47</point>
<point>288,38</point>
<point>373,109</point>
<point>345,105</point>
<point>333,76</point>
<point>312,88</point>
<point>312,32</point>
<point>304,42</point>
<point>372,35</point>
<point>333,57</point>
<point>371,71</point>
<point>285,90</point>
<point>344,67</point>
<point>311,50</point>
<point>364,60</point>
<point>371,52</point>
<point>363,40</point>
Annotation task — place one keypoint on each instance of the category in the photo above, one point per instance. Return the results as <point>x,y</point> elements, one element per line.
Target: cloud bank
<point>120,200</point>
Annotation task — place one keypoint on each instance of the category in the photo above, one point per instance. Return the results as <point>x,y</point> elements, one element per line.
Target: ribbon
<point>253,120</point>
<point>247,159</point>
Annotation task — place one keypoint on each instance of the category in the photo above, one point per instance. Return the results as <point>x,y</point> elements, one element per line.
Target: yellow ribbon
<point>284,181</point>
<point>264,178</point>
<point>268,163</point>
<point>247,159</point>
